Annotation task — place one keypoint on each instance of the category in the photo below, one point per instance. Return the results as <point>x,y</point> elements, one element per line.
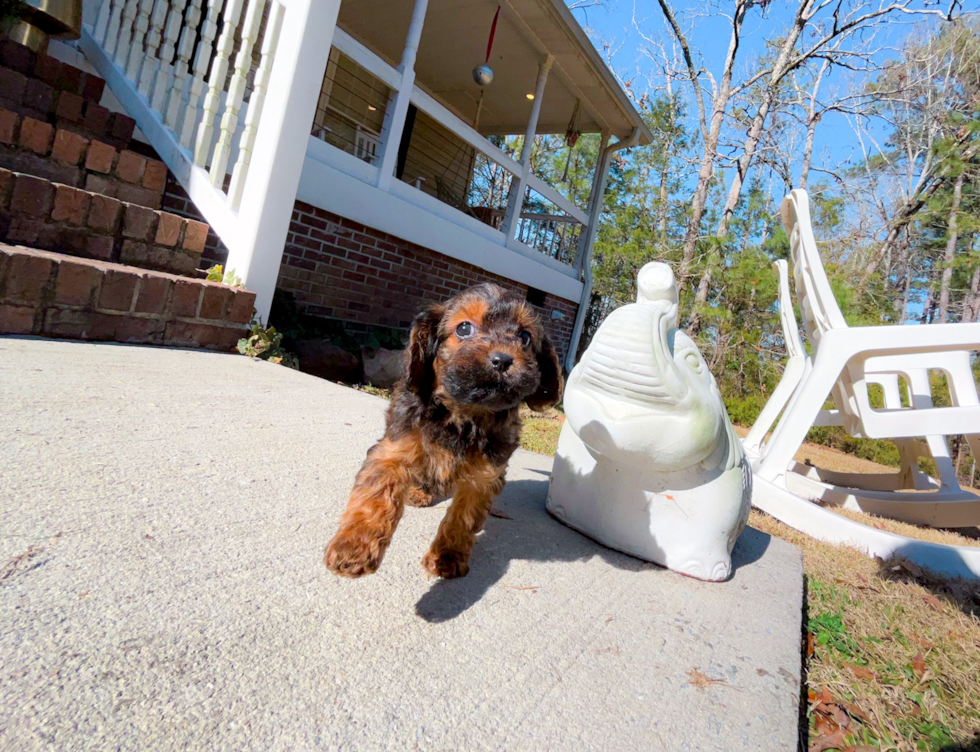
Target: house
<point>343,151</point>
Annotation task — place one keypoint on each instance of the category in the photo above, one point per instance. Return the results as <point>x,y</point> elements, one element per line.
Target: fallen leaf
<point>933,601</point>
<point>833,741</point>
<point>501,515</point>
<point>521,587</point>
<point>919,666</point>
<point>924,643</point>
<point>911,568</point>
<point>855,712</point>
<point>702,682</point>
<point>862,748</point>
<point>809,644</point>
<point>861,672</point>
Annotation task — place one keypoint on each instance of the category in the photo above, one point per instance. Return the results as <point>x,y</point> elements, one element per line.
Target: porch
<point>260,106</point>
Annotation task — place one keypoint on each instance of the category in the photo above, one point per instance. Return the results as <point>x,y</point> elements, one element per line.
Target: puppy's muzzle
<point>501,361</point>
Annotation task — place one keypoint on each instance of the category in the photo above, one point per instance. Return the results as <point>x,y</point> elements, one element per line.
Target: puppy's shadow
<point>532,534</point>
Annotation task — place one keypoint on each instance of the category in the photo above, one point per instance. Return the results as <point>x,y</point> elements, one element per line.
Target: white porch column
<point>596,195</point>
<point>514,198</point>
<point>397,109</point>
<point>280,146</point>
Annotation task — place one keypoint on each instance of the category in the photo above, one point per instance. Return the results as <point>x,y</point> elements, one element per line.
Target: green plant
<point>266,344</point>
<point>217,273</point>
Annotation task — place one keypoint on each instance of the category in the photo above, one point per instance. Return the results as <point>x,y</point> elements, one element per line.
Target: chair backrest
<point>791,330</point>
<point>818,306</point>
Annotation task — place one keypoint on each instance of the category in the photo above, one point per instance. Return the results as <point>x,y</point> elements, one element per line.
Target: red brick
<point>154,294</point>
<point>195,236</point>
<point>104,214</point>
<point>69,107</point>
<point>70,205</point>
<point>185,334</point>
<point>134,253</point>
<point>137,194</point>
<point>122,127</point>
<point>12,84</point>
<point>77,283</point>
<point>96,118</point>
<point>138,331</point>
<point>59,322</point>
<point>24,230</point>
<point>48,69</point>
<point>100,157</point>
<point>39,96</point>
<point>139,222</point>
<point>100,247</point>
<point>242,306</point>
<point>155,175</point>
<point>16,319</point>
<point>17,56</point>
<point>118,288</point>
<point>130,166</point>
<point>101,185</point>
<point>26,277</point>
<point>217,300</point>
<point>6,188</point>
<point>36,136</point>
<point>168,230</point>
<point>8,127</point>
<point>32,196</point>
<point>92,88</point>
<point>71,79</point>
<point>68,147</point>
<point>187,295</point>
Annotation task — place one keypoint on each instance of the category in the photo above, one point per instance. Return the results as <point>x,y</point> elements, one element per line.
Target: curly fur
<point>453,423</point>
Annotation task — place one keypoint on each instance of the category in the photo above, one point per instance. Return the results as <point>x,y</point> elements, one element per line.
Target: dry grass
<point>540,431</point>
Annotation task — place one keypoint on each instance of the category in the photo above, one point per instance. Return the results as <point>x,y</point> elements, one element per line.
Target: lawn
<point>892,653</point>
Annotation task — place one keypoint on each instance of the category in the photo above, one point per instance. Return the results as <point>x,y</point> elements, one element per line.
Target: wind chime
<point>483,74</point>
<point>571,137</point>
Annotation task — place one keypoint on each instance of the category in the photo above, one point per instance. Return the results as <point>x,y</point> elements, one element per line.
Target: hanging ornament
<point>483,74</point>
<point>571,138</point>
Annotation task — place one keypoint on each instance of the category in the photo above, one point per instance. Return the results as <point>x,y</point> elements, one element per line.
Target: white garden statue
<point>648,462</point>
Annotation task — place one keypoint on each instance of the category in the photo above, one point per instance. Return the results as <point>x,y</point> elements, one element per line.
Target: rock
<point>326,360</point>
<point>382,368</point>
<point>648,462</point>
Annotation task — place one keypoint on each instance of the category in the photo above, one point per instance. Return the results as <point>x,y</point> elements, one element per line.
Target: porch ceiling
<point>454,41</point>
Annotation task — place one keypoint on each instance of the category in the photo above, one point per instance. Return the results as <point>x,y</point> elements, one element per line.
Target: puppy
<point>452,425</point>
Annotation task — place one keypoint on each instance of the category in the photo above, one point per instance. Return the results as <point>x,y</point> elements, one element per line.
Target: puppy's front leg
<point>478,486</point>
<point>374,509</point>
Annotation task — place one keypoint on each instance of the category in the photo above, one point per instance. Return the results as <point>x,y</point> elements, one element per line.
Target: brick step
<point>38,148</point>
<point>54,295</point>
<point>64,219</point>
<point>46,89</point>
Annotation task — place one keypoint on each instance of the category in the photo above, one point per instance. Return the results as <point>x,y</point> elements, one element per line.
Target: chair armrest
<point>897,340</point>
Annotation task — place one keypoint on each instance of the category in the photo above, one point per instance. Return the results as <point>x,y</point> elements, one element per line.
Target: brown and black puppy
<point>452,426</point>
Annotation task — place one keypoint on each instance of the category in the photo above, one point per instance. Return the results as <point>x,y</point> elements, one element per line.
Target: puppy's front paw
<point>352,555</point>
<point>418,498</point>
<point>446,564</point>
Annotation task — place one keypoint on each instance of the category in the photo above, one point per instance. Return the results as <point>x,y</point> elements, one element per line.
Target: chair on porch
<point>845,361</point>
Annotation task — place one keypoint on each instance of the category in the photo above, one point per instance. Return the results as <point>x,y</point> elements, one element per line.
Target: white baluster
<point>167,51</point>
<point>139,36</point>
<point>216,82</point>
<point>102,22</point>
<point>126,32</point>
<point>188,35</point>
<point>150,61</point>
<point>254,112</point>
<point>236,91</point>
<point>112,31</point>
<point>201,61</point>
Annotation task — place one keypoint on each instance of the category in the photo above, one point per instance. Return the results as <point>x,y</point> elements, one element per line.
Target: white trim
<point>365,58</point>
<point>533,181</point>
<point>416,221</point>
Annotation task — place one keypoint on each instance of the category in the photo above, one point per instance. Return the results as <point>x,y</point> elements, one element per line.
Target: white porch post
<point>397,109</point>
<point>514,198</point>
<point>280,146</point>
<point>596,196</point>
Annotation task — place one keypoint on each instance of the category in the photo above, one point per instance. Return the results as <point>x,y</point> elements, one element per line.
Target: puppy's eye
<point>525,338</point>
<point>464,330</point>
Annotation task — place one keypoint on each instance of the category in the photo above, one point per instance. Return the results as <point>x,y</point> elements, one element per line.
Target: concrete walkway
<point>162,520</point>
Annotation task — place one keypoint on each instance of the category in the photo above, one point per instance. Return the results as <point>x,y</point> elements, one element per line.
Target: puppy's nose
<point>501,361</point>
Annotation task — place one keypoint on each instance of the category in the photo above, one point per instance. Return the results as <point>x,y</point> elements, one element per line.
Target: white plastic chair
<point>846,359</point>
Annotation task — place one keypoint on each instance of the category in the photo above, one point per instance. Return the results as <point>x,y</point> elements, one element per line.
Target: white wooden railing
<point>231,124</point>
<point>558,234</point>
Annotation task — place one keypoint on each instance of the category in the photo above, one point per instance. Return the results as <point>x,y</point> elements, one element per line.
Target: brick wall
<point>342,270</point>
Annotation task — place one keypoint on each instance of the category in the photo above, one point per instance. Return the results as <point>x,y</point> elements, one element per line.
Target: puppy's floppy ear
<point>550,388</point>
<point>422,345</point>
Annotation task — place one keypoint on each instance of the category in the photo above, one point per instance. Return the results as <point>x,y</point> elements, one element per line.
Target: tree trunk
<point>952,236</point>
<point>971,308</point>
